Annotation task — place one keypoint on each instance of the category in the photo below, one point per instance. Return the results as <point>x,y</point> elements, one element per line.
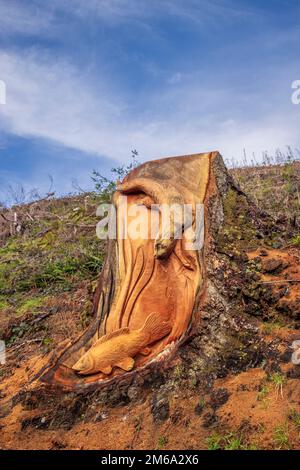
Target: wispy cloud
<point>44,18</point>
<point>52,100</point>
<point>23,18</point>
<point>190,109</point>
<point>191,10</point>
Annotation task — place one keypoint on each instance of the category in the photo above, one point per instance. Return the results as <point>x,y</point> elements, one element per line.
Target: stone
<point>218,398</point>
<point>160,408</point>
<point>271,265</point>
<point>290,307</point>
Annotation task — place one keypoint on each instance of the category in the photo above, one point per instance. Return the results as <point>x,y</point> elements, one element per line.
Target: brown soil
<point>132,426</point>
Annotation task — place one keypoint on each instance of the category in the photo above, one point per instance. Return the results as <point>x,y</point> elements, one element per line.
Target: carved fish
<point>120,347</point>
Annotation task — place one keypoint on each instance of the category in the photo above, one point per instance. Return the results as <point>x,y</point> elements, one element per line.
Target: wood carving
<point>149,289</point>
<point>121,346</point>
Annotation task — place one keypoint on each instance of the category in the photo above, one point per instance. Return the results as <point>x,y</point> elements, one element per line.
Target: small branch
<point>80,225</point>
<point>43,232</point>
<point>230,255</point>
<point>5,218</point>
<point>42,199</point>
<point>279,282</point>
<point>36,340</point>
<point>42,317</point>
<point>29,216</point>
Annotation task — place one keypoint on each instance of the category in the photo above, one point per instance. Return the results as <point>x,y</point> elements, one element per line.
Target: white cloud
<point>54,101</point>
<point>45,18</point>
<point>51,98</point>
<point>24,18</point>
<point>195,11</point>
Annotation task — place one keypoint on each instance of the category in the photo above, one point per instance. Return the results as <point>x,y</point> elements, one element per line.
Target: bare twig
<point>81,225</point>
<point>41,317</point>
<point>29,216</point>
<point>35,340</point>
<point>5,218</point>
<point>279,281</point>
<point>43,232</point>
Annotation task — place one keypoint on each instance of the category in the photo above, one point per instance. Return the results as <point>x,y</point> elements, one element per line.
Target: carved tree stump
<point>185,288</point>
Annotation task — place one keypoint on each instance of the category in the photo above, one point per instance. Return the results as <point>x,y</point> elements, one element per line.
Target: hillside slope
<point>47,276</point>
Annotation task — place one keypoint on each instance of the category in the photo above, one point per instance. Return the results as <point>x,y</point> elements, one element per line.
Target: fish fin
<point>126,364</point>
<point>76,367</point>
<point>155,328</point>
<point>106,370</point>
<point>113,334</point>
<point>145,351</point>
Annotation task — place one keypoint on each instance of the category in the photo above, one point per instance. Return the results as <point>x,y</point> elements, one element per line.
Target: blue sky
<point>89,80</point>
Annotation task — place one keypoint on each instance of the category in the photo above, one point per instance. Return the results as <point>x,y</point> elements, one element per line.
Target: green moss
<point>278,380</point>
<point>273,188</point>
<point>281,437</point>
<point>295,417</point>
<point>238,232</point>
<point>273,326</point>
<point>32,305</point>
<point>230,203</point>
<point>178,371</point>
<point>288,171</point>
<point>230,441</point>
<point>18,331</point>
<point>161,442</point>
<point>296,240</point>
<point>58,251</point>
<point>214,442</point>
<point>31,266</point>
<point>3,303</point>
<point>263,393</point>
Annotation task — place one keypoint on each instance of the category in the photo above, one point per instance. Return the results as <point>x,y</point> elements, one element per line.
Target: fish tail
<point>155,328</point>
